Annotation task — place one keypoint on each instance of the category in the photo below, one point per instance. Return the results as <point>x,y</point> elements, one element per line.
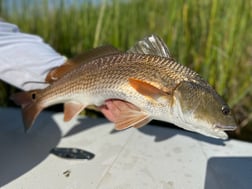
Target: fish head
<point>202,110</point>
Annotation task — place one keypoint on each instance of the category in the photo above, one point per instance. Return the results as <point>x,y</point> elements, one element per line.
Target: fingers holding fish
<point>114,107</point>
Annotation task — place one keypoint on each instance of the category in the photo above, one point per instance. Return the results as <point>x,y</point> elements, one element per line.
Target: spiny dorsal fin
<point>82,58</point>
<point>152,45</point>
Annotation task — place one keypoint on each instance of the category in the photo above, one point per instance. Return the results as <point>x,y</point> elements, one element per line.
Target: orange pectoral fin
<point>147,89</point>
<point>72,109</point>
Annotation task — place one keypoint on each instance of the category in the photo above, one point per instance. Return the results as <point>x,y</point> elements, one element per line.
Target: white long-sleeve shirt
<point>24,58</point>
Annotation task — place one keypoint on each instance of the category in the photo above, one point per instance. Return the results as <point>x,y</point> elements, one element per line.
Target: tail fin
<point>30,107</point>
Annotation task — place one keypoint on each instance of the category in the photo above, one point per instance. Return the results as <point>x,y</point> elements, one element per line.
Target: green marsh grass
<point>213,37</point>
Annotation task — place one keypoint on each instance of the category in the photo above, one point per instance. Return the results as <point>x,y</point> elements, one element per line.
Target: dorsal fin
<point>152,45</point>
<point>94,54</point>
<point>82,58</point>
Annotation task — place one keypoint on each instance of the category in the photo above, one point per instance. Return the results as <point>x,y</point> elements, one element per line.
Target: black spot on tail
<point>33,96</point>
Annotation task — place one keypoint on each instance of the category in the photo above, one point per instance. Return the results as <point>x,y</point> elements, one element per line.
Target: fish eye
<point>225,110</point>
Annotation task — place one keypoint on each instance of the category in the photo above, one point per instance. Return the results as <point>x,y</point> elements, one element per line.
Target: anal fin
<point>72,109</point>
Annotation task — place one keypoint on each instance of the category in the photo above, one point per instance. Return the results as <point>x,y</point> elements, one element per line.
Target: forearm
<point>25,59</point>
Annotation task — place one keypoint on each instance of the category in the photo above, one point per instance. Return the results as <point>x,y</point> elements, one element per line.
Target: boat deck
<point>150,157</point>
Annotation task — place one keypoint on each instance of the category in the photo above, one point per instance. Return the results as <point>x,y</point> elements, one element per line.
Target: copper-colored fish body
<point>109,78</point>
<point>160,87</point>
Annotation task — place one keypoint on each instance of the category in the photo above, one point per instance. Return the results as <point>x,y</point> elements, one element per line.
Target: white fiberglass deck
<point>151,157</point>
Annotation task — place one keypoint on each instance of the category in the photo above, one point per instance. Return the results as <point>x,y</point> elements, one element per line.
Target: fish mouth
<point>225,127</point>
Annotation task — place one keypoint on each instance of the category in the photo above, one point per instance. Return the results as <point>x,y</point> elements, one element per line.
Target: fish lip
<point>225,127</point>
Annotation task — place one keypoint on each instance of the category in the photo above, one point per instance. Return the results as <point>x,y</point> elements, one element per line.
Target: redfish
<point>146,76</point>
